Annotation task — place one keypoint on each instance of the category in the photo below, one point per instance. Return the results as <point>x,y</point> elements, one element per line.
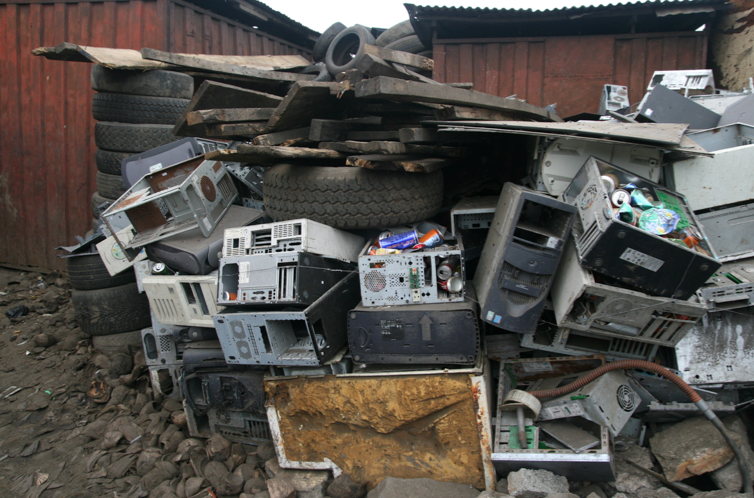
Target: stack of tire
<point>136,112</point>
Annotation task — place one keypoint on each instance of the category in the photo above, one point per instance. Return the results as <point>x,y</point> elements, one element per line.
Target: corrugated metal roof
<point>425,11</point>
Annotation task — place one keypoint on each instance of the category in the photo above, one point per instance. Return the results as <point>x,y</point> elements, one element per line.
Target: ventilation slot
<point>226,187</point>
<point>375,281</point>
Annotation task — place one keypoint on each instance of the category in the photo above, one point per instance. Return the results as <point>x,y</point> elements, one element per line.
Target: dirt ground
<point>46,366</point>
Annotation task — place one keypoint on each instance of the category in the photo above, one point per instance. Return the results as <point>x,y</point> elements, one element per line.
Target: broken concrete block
<point>728,477</point>
<point>690,448</point>
<point>656,493</point>
<point>592,489</point>
<point>266,450</point>
<point>272,467</point>
<point>528,483</point>
<point>393,487</point>
<point>280,487</point>
<point>721,493</point>
<point>308,483</point>
<point>344,487</point>
<point>628,478</point>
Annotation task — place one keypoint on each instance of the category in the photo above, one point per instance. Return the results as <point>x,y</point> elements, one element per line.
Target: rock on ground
<point>528,483</point>
<point>393,487</point>
<point>728,477</point>
<point>629,479</point>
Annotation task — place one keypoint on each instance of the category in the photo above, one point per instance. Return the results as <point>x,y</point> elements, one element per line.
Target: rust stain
<point>6,199</point>
<point>407,427</point>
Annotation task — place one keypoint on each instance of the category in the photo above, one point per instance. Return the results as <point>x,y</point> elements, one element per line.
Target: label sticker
<point>490,315</point>
<point>155,167</point>
<point>207,223</point>
<point>561,411</point>
<point>244,272</point>
<point>649,112</point>
<point>640,259</point>
<point>392,330</point>
<point>588,197</point>
<point>497,318</point>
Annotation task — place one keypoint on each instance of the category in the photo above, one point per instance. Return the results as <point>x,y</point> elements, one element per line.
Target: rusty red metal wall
<point>569,70</point>
<point>47,168</point>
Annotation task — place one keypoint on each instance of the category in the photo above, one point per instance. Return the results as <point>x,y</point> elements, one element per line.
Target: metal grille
<point>510,272</point>
<point>632,348</point>
<point>165,309</point>
<point>250,334</point>
<point>226,187</point>
<point>166,343</point>
<point>375,281</point>
<point>285,230</point>
<point>243,349</point>
<point>395,279</point>
<point>625,397</point>
<point>236,251</point>
<point>588,238</point>
<point>287,283</point>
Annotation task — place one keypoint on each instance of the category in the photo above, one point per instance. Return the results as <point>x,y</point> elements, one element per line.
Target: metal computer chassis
<point>419,334</point>
<point>609,246</point>
<point>729,230</point>
<point>309,337</point>
<point>174,200</point>
<point>566,341</point>
<point>278,278</point>
<point>410,278</point>
<point>731,287</point>
<point>472,213</point>
<point>594,464</point>
<point>160,347</point>
<point>165,380</point>
<point>289,236</point>
<point>187,300</point>
<point>241,391</point>
<point>239,427</point>
<point>581,303</point>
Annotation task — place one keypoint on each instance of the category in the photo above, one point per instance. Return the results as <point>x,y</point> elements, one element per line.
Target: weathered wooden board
<point>384,147</point>
<point>287,137</point>
<point>112,58</point>
<point>305,101</point>
<point>198,62</point>
<point>213,116</point>
<point>454,112</point>
<point>409,163</point>
<point>213,95</point>
<point>262,62</point>
<point>259,153</point>
<point>228,130</point>
<point>404,58</point>
<point>418,135</point>
<point>411,91</point>
<point>373,135</point>
<point>329,130</point>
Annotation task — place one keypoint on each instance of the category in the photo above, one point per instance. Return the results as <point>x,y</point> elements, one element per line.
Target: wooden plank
<point>373,66</point>
<point>262,62</point>
<point>411,164</point>
<point>287,138</point>
<point>201,63</point>
<point>113,58</point>
<point>418,135</point>
<point>235,130</point>
<point>373,135</point>
<point>213,95</point>
<point>476,113</point>
<point>383,147</point>
<point>404,58</point>
<point>212,116</point>
<point>305,101</point>
<point>269,154</point>
<point>401,90</point>
<point>330,130</point>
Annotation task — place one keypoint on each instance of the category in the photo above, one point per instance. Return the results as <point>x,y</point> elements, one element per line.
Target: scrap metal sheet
<point>372,427</point>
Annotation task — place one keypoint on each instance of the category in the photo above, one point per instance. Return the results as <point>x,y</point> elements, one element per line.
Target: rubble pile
<point>365,282</point>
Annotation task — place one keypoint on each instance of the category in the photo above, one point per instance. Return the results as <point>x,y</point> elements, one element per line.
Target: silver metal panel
<point>239,427</point>
<point>409,278</point>
<point>732,286</point>
<point>730,231</point>
<point>724,137</point>
<point>172,373</point>
<point>719,349</point>
<point>160,347</point>
<point>188,300</point>
<point>472,213</point>
<point>739,112</point>
<point>578,342</point>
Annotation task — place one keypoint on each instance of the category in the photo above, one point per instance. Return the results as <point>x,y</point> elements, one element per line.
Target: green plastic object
<point>513,443</point>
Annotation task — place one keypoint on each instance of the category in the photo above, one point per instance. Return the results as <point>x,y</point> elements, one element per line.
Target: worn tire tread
<point>111,187</point>
<point>108,161</point>
<point>113,310</point>
<point>89,273</point>
<point>137,109</point>
<point>127,137</point>
<point>351,198</point>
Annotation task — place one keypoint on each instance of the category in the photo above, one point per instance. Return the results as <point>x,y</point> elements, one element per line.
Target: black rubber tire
<point>349,41</point>
<point>113,310</point>
<point>108,161</point>
<point>410,44</point>
<point>89,273</point>
<point>351,198</point>
<point>123,343</point>
<point>111,187</point>
<point>97,200</point>
<point>137,109</point>
<point>400,30</point>
<point>323,42</point>
<point>132,137</point>
<point>155,83</point>
<point>320,69</point>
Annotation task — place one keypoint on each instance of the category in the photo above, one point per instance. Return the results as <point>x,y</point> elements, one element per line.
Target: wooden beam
<point>235,130</point>
<point>204,64</point>
<point>410,91</point>
<point>411,164</point>
<point>460,112</point>
<point>288,137</point>
<point>372,135</point>
<point>213,95</point>
<point>213,116</point>
<point>330,130</point>
<point>404,58</point>
<point>384,147</point>
<point>305,101</point>
<point>418,135</point>
<point>278,154</point>
<point>112,58</point>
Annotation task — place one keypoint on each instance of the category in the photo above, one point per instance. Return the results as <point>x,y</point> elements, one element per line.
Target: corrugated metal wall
<point>569,70</point>
<point>47,169</point>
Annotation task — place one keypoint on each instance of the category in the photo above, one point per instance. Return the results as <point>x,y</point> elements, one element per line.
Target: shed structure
<point>47,173</point>
<point>565,56</point>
